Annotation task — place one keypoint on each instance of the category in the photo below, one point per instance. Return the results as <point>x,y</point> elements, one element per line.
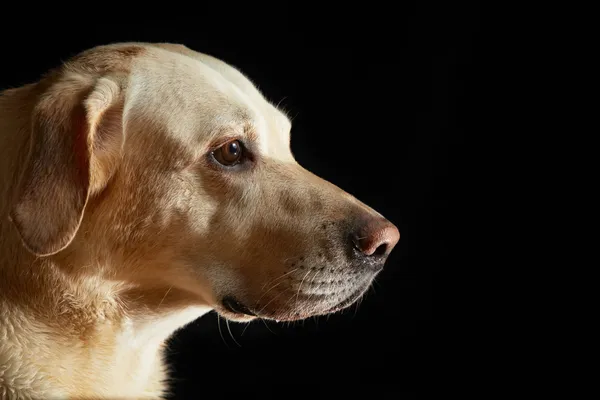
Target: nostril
<point>381,250</point>
<point>376,239</point>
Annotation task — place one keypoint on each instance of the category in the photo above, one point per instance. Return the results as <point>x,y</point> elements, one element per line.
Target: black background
<point>381,99</point>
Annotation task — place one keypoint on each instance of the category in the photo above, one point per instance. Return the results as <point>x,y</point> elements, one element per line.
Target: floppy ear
<point>76,141</point>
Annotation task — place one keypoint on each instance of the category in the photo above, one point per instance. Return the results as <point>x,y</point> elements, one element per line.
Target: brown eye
<point>229,154</point>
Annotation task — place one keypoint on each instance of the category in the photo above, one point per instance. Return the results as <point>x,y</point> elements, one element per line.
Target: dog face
<point>193,187</point>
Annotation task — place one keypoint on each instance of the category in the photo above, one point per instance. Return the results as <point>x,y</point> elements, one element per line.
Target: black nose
<point>374,239</point>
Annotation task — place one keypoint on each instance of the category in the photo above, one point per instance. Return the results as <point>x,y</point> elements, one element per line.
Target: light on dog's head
<point>229,154</point>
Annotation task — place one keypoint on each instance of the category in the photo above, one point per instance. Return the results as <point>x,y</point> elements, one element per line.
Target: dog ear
<point>76,141</point>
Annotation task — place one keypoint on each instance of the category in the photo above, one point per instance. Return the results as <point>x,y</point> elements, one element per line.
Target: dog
<point>143,185</point>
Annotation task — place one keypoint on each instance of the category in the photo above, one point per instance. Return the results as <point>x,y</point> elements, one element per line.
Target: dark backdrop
<point>380,99</point>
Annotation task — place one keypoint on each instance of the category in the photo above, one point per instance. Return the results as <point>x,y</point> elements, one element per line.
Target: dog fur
<point>118,227</point>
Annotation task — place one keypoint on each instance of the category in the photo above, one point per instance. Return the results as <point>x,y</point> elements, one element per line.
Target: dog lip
<point>234,306</point>
<point>348,301</point>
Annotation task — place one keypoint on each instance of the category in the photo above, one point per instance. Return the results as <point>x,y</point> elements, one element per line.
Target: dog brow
<point>250,132</point>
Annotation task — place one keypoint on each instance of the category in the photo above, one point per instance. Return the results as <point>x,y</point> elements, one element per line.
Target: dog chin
<point>233,310</point>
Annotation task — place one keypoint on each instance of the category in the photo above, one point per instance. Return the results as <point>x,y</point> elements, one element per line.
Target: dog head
<point>166,168</point>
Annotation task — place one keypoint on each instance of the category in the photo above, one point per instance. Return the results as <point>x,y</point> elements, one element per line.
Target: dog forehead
<point>195,102</point>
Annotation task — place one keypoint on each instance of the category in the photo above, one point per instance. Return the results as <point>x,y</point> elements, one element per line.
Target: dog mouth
<point>241,311</point>
<point>234,306</point>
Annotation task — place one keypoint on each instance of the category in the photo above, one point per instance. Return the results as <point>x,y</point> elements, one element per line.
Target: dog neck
<point>84,333</point>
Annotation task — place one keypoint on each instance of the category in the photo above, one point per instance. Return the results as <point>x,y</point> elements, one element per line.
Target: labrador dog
<point>143,185</point>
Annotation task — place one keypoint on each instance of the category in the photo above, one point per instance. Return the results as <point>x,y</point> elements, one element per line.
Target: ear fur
<point>76,139</point>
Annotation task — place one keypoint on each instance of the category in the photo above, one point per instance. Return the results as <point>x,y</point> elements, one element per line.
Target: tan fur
<point>117,229</point>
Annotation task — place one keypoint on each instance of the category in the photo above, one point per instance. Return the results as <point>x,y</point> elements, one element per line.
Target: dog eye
<point>229,154</point>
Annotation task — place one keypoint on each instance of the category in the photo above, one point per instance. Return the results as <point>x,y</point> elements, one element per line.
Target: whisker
<point>246,327</point>
<point>372,287</point>
<point>220,332</point>
<point>277,106</point>
<point>279,277</point>
<point>263,295</point>
<point>261,310</point>
<point>375,282</point>
<point>264,322</point>
<point>163,298</point>
<point>356,306</point>
<point>287,302</point>
<point>231,334</point>
<point>300,286</point>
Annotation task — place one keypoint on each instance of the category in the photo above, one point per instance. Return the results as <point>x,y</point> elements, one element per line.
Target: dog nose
<point>376,238</point>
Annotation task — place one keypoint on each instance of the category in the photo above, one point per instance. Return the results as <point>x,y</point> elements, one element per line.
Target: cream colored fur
<point>117,228</point>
